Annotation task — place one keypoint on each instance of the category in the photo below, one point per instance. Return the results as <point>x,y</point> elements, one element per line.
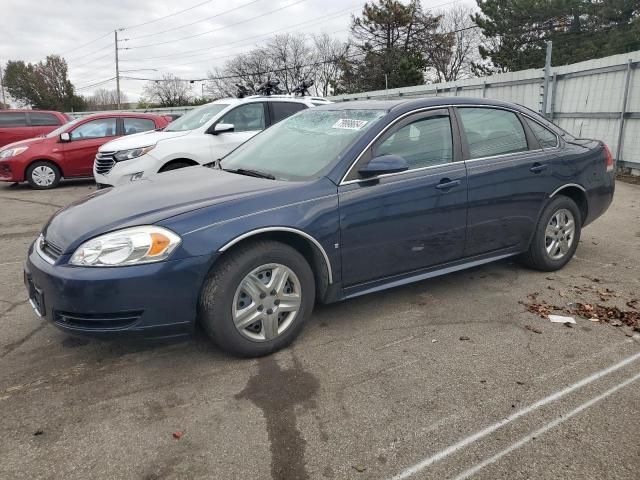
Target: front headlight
<point>132,153</point>
<point>12,152</point>
<point>130,246</point>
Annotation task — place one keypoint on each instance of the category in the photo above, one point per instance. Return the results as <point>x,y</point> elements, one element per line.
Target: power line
<point>216,29</point>
<point>94,60</point>
<point>89,54</point>
<point>166,16</point>
<point>85,44</point>
<point>96,84</point>
<point>193,23</point>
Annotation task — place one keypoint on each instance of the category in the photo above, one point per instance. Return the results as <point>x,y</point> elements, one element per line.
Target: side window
<point>423,143</point>
<point>282,110</point>
<point>39,119</point>
<point>546,137</point>
<point>246,118</point>
<point>137,125</point>
<point>13,119</point>
<point>490,132</point>
<point>103,127</point>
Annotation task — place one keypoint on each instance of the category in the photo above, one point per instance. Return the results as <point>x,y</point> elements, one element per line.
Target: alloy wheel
<point>560,234</point>
<point>266,302</point>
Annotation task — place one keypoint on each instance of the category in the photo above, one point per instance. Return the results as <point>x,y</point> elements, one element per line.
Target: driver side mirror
<point>223,128</point>
<point>384,164</point>
<point>65,137</point>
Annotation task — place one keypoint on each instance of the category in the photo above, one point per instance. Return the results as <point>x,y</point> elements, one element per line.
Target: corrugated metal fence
<point>596,99</point>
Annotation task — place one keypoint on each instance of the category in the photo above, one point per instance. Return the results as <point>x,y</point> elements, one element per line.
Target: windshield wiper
<point>251,173</point>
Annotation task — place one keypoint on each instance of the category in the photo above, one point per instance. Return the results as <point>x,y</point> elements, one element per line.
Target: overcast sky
<point>153,45</point>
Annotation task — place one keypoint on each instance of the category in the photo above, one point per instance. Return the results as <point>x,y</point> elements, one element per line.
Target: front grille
<point>97,321</point>
<point>104,162</point>
<point>49,251</point>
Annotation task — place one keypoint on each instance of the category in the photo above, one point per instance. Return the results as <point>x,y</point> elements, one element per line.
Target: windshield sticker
<point>349,124</point>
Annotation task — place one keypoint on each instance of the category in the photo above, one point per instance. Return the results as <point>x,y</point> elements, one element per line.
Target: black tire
<point>217,296</point>
<point>38,166</point>
<point>174,166</point>
<point>537,257</point>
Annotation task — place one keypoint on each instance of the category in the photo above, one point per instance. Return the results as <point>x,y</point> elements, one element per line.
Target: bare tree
<point>328,55</point>
<point>103,99</point>
<point>460,38</point>
<point>170,91</point>
<point>291,59</point>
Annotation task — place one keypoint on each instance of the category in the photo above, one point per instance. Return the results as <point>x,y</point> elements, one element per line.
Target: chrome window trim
<point>425,109</point>
<point>471,160</point>
<point>251,233</point>
<point>568,185</point>
<point>386,175</point>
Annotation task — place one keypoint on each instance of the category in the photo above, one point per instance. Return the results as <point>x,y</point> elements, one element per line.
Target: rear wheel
<point>557,235</point>
<point>257,300</point>
<point>43,175</point>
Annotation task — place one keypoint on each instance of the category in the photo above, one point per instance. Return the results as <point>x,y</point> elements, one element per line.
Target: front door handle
<point>538,167</point>
<point>446,184</point>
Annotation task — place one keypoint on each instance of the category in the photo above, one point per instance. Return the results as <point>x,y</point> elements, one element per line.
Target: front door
<point>81,151</point>
<point>400,223</point>
<point>247,119</point>
<point>508,175</point>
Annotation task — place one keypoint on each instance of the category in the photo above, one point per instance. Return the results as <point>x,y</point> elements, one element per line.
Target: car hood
<point>149,201</point>
<point>138,140</point>
<point>24,143</point>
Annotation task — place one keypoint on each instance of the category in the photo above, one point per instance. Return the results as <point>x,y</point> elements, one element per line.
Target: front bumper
<point>154,300</point>
<point>8,172</point>
<point>121,172</point>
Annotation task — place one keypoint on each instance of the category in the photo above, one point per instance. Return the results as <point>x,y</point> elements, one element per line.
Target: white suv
<point>201,136</point>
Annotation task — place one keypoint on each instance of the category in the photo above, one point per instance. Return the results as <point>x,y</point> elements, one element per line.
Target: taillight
<point>608,159</point>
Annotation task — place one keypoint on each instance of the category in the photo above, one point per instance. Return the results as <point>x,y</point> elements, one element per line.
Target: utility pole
<point>547,74</point>
<point>115,32</point>
<point>4,100</point>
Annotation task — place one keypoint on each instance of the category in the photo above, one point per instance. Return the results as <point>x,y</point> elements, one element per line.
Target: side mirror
<point>65,137</point>
<point>384,164</point>
<point>223,128</point>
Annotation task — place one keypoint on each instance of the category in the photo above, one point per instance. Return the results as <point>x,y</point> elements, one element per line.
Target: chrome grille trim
<point>104,162</point>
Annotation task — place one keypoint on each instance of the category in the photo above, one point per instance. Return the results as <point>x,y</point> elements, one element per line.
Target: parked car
<point>16,125</point>
<point>332,203</point>
<point>69,151</point>
<point>200,136</point>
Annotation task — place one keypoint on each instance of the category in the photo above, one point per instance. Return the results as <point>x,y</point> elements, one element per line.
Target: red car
<point>70,150</point>
<point>16,125</point>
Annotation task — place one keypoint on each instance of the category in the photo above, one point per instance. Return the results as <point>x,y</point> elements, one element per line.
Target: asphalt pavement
<point>454,377</point>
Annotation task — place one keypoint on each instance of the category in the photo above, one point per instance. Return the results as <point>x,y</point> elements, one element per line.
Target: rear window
<point>39,119</point>
<point>282,110</point>
<point>137,125</point>
<point>13,119</point>
<point>546,137</point>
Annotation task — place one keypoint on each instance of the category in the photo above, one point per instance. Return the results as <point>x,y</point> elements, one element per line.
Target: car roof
<point>124,115</point>
<point>23,110</point>
<point>412,104</point>
<point>256,98</point>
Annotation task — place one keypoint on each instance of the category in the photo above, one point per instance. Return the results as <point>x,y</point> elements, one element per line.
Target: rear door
<point>14,127</point>
<point>81,151</point>
<point>43,122</point>
<point>401,223</point>
<point>248,119</point>
<point>281,110</point>
<point>508,175</point>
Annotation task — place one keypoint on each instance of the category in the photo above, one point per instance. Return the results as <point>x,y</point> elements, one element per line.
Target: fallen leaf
<point>38,432</point>
<point>177,435</point>
<point>519,382</point>
<point>464,338</point>
<point>359,468</point>
<point>532,329</point>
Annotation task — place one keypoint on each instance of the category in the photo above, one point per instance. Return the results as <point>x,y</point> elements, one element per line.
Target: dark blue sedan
<point>334,202</point>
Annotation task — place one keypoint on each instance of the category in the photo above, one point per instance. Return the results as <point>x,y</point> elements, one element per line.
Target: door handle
<point>446,184</point>
<point>538,167</point>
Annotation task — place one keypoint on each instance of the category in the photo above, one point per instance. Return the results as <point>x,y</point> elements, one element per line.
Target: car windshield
<point>62,128</point>
<point>303,145</point>
<point>196,117</point>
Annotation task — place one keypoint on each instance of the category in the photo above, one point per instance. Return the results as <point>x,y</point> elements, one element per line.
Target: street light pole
<point>117,71</point>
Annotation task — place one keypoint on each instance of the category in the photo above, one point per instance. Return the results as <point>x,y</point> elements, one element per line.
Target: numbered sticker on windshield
<point>349,124</point>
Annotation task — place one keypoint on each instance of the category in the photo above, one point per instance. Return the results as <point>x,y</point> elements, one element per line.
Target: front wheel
<point>257,300</point>
<point>43,175</point>
<point>557,235</point>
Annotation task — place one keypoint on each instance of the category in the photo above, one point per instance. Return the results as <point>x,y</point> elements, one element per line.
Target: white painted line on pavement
<point>554,423</point>
<point>412,470</point>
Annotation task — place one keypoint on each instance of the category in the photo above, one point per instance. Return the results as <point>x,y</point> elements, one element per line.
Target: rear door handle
<point>446,184</point>
<point>538,167</point>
